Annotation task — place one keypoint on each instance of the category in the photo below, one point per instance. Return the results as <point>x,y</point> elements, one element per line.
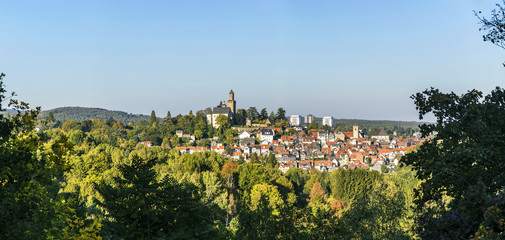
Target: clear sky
<point>346,59</point>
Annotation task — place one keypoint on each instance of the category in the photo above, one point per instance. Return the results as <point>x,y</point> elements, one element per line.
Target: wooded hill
<point>377,123</point>
<point>84,113</point>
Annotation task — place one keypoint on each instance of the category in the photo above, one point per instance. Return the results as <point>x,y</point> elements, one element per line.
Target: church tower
<point>232,104</point>
<point>355,132</point>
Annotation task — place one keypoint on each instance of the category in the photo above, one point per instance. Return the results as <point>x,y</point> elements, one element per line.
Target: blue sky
<point>346,59</point>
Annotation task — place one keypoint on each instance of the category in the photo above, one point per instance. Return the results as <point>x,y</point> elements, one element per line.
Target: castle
<point>227,110</point>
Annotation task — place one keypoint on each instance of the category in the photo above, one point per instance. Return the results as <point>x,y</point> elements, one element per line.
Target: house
<point>244,134</point>
<point>339,136</point>
<point>247,141</point>
<point>323,165</point>
<point>265,149</point>
<point>267,134</point>
<point>287,139</point>
<point>382,136</point>
<point>179,133</point>
<point>284,167</point>
<point>247,150</point>
<point>325,136</point>
<point>146,143</point>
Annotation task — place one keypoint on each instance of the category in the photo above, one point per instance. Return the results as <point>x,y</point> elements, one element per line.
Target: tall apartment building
<point>296,120</point>
<point>328,121</point>
<point>309,118</point>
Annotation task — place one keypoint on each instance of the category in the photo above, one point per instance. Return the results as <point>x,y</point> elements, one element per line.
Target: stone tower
<point>232,104</point>
<point>355,132</point>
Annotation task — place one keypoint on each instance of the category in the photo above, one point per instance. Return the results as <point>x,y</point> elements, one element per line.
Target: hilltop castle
<point>228,110</point>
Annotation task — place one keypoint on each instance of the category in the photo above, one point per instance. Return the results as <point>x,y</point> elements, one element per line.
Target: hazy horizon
<point>349,60</point>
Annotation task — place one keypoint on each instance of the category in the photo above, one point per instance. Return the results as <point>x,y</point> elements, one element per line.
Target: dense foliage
<point>463,161</point>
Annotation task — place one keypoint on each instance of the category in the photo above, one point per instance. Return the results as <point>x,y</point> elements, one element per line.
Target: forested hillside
<point>377,123</point>
<point>83,113</point>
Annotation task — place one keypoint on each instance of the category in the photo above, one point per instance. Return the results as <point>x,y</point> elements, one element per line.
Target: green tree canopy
<point>281,114</point>
<point>140,206</point>
<point>251,174</point>
<point>223,122</point>
<point>467,142</point>
<point>153,120</point>
<point>465,155</point>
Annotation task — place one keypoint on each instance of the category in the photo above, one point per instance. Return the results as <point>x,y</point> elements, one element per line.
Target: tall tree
<point>263,114</point>
<point>50,117</point>
<point>252,113</point>
<point>281,114</point>
<point>167,119</point>
<point>240,116</point>
<point>153,120</point>
<point>272,116</point>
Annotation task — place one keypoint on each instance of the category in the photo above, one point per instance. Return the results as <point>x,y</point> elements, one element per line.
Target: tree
<point>254,158</point>
<point>198,134</point>
<point>377,214</point>
<point>223,122</point>
<point>384,168</point>
<point>369,161</point>
<point>227,173</point>
<point>240,116</point>
<point>297,177</point>
<point>348,184</point>
<point>266,216</point>
<point>252,113</point>
<point>272,116</point>
<point>153,120</point>
<point>140,206</point>
<point>167,119</point>
<point>30,203</point>
<point>251,174</point>
<point>50,117</point>
<point>281,114</point>
<point>465,152</point>
<point>495,26</point>
<point>317,192</point>
<point>313,125</point>
<point>263,114</point>
<point>271,161</point>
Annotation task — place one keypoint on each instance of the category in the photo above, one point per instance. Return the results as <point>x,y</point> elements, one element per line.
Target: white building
<point>244,135</point>
<point>267,134</point>
<point>328,121</point>
<point>214,113</point>
<point>296,120</point>
<point>309,118</point>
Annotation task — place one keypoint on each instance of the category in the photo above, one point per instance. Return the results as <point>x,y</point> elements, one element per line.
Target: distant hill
<point>83,113</point>
<point>377,123</point>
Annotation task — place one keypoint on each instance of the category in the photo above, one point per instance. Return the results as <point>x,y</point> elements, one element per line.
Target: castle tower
<point>355,132</point>
<point>232,104</point>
